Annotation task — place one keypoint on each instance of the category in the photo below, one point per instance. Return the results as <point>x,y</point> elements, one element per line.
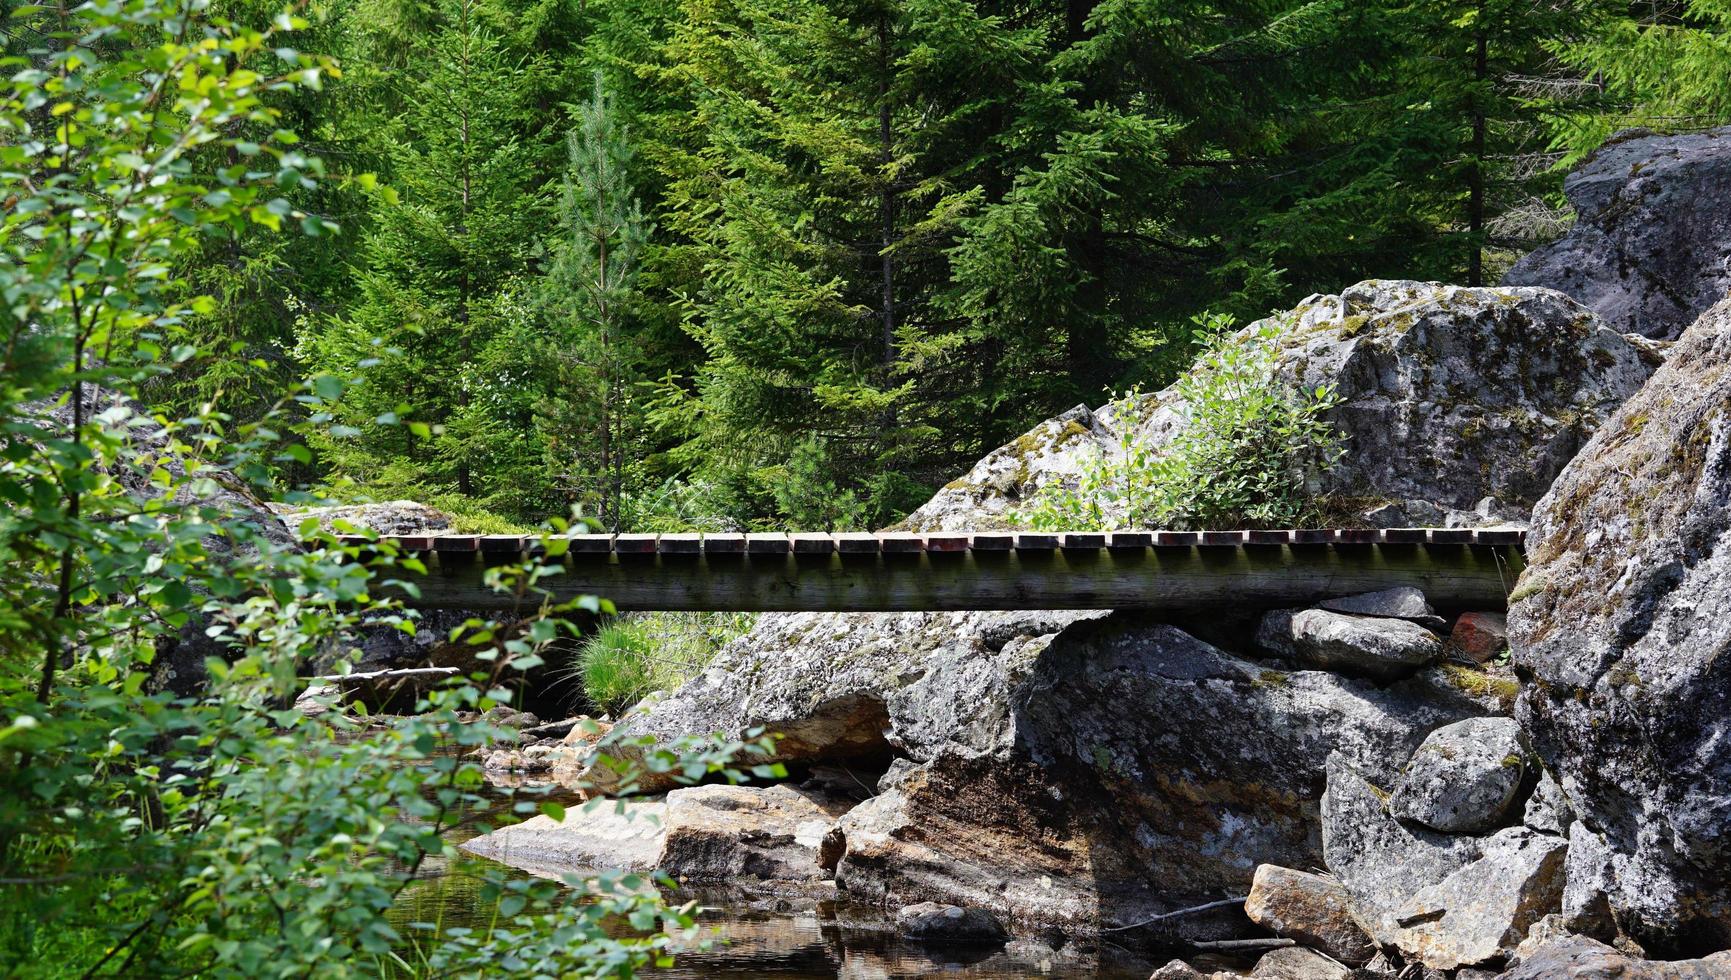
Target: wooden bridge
<point>1149,570</point>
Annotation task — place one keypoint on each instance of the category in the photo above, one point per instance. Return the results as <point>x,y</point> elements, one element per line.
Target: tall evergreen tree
<point>442,315</point>
<point>588,422</point>
<point>831,148</point>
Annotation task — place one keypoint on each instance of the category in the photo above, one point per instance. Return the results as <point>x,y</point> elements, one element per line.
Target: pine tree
<point>831,147</point>
<point>443,317</point>
<point>1666,67</point>
<point>588,423</point>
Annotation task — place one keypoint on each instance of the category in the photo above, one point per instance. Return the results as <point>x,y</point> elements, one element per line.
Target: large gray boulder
<point>1651,242</point>
<point>1364,646</point>
<point>1622,621</point>
<point>1446,900</point>
<point>1465,778</point>
<point>1458,405</point>
<point>1027,786</point>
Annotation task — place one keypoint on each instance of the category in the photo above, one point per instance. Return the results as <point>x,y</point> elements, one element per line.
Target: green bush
<point>1250,453</point>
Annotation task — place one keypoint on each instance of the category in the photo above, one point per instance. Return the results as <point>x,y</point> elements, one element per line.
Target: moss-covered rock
<point>1623,623</point>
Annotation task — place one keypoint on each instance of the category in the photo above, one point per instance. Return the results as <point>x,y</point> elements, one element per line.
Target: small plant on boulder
<point>1249,454</point>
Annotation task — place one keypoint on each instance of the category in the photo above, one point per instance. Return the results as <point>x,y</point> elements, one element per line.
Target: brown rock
<point>1580,958</point>
<point>1480,636</point>
<point>1311,909</point>
<point>723,833</point>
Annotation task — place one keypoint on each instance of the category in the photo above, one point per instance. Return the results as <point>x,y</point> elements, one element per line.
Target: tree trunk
<point>1476,167</point>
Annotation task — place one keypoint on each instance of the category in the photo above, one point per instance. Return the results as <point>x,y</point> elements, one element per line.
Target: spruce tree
<point>588,423</point>
<point>443,317</point>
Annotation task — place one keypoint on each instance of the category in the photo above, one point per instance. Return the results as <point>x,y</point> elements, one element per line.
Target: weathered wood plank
<point>1405,535</point>
<point>457,542</point>
<point>946,542</point>
<point>1268,537</point>
<point>766,544</point>
<point>634,544</point>
<point>857,543</point>
<point>501,544</point>
<point>813,544</point>
<point>1451,535</point>
<point>901,543</point>
<point>680,544</point>
<point>724,544</point>
<point>1222,539</point>
<point>1313,536</point>
<point>590,544</point>
<point>1029,541</point>
<point>1498,535</point>
<point>1130,540</point>
<point>1177,539</point>
<point>1162,578</point>
<point>1082,541</point>
<point>993,541</point>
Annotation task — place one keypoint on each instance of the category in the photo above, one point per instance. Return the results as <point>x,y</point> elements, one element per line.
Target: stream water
<point>802,940</point>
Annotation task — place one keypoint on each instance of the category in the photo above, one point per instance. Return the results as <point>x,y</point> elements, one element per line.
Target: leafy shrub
<point>1249,454</point>
<point>162,812</point>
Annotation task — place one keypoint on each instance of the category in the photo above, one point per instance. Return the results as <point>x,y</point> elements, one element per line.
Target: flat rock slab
<point>1580,958</point>
<point>723,833</point>
<point>1480,913</point>
<point>599,835</point>
<point>1403,602</point>
<point>1465,777</point>
<point>1311,909</point>
<point>1298,963</point>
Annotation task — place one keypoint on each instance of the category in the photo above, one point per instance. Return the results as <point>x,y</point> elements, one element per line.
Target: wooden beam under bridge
<point>1163,571</point>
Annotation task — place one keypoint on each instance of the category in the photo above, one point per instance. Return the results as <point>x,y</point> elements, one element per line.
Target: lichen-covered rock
<point>1481,912</point>
<point>390,517</point>
<point>1297,963</point>
<point>1652,233</point>
<point>1364,646</point>
<point>932,922</point>
<point>1446,900</point>
<point>719,833</point>
<point>1311,909</point>
<point>1580,958</point>
<point>1381,861</point>
<point>1465,779</point>
<point>1622,620</point>
<point>1548,809</point>
<point>1068,808</point>
<point>1457,405</point>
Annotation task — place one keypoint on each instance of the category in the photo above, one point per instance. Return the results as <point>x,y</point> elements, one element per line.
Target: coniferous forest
<point>796,264</point>
<point>389,388</point>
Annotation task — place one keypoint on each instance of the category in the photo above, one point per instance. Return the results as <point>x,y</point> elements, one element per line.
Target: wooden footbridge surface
<point>1167,571</point>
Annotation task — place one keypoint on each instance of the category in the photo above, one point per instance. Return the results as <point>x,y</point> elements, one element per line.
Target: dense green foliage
<point>1251,452</point>
<point>162,813</point>
<point>733,263</point>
